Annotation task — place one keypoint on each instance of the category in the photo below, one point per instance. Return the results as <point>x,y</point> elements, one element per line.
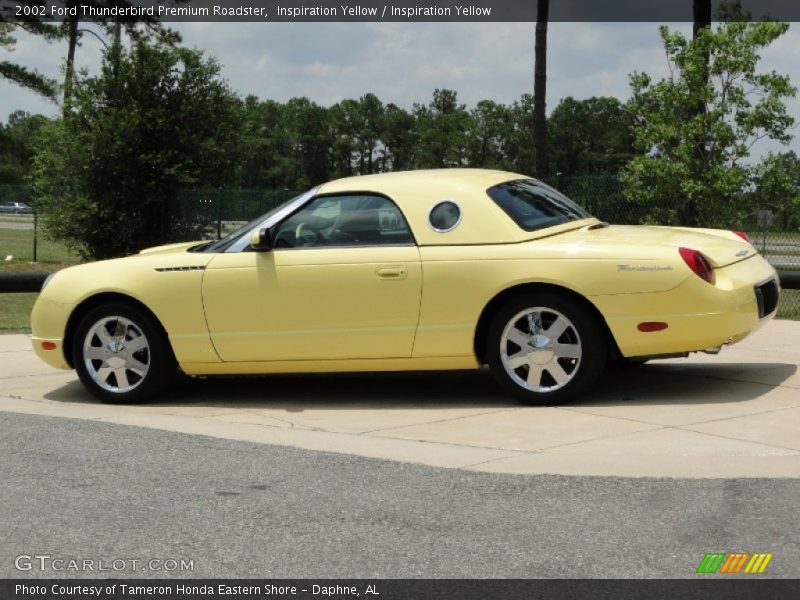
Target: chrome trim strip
<point>188,268</point>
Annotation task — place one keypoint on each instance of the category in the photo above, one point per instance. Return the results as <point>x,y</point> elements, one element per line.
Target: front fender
<point>168,285</point>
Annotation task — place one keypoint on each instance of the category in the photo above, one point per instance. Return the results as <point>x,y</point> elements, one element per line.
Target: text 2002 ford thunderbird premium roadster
<point>446,269</point>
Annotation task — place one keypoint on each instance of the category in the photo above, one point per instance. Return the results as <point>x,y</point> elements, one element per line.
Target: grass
<point>19,244</point>
<point>15,312</point>
<point>15,309</point>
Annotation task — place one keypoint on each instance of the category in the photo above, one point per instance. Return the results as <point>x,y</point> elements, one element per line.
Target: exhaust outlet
<point>716,349</point>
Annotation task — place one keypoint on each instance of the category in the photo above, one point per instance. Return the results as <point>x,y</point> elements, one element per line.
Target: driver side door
<point>343,281</point>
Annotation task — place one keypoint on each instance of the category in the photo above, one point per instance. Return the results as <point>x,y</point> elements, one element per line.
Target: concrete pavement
<point>736,414</point>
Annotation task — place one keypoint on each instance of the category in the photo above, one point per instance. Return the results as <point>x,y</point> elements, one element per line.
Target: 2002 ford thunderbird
<point>446,269</point>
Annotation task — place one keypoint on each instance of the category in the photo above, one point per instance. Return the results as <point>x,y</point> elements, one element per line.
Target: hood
<point>722,247</point>
<point>170,247</point>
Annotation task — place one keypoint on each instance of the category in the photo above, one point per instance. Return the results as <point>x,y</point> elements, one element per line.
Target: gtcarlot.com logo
<point>733,563</point>
<point>46,562</point>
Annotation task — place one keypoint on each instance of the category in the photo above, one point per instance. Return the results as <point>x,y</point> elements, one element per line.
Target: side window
<point>359,220</point>
<point>533,205</point>
<point>444,216</point>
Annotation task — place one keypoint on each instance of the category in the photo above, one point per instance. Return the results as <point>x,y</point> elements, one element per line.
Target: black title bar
<point>382,10</point>
<point>712,588</point>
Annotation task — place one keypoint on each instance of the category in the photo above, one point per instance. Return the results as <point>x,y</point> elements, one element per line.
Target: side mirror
<point>259,240</point>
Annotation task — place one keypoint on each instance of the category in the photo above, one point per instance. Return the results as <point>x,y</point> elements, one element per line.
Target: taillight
<point>743,235</point>
<point>698,263</point>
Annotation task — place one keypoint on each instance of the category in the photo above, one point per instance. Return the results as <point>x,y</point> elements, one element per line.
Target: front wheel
<point>545,348</point>
<point>121,354</point>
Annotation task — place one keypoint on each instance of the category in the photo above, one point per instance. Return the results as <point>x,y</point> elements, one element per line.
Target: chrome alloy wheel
<point>116,354</point>
<point>540,349</point>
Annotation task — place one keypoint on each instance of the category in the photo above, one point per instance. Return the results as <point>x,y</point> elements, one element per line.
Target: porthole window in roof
<point>445,216</point>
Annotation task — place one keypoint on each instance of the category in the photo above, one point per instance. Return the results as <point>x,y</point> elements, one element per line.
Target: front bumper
<point>49,324</point>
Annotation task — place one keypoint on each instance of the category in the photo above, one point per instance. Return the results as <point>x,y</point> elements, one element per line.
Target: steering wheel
<point>307,235</point>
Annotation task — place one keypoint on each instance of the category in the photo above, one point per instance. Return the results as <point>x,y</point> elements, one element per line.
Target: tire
<point>121,354</point>
<point>566,366</point>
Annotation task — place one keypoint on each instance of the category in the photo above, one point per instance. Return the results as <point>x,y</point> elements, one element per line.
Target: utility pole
<point>542,159</point>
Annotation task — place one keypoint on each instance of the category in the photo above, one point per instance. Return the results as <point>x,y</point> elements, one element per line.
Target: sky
<point>404,62</point>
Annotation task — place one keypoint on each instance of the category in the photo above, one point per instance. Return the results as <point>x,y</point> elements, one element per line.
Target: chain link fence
<point>216,211</point>
<point>773,229</point>
<point>213,212</point>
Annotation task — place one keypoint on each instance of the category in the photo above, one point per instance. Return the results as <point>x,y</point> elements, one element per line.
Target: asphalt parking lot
<point>409,475</point>
<point>88,490</point>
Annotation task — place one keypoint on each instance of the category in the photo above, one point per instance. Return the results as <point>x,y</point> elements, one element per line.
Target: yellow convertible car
<point>422,270</point>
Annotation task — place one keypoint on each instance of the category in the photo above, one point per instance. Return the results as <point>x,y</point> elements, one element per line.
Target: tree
<point>590,136</point>
<point>540,90</point>
<point>399,138</point>
<point>346,121</point>
<point>309,131</point>
<point>491,124</point>
<point>701,24</point>
<point>777,190</point>
<point>442,126</point>
<point>19,139</point>
<point>265,156</point>
<point>742,106</point>
<point>139,28</point>
<point>519,150</point>
<point>357,127</point>
<point>372,111</point>
<point>160,119</point>
<point>18,74</point>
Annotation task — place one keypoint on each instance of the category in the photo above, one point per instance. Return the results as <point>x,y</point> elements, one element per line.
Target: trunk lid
<point>721,247</point>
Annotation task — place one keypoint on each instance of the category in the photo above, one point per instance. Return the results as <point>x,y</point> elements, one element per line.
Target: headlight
<point>46,281</point>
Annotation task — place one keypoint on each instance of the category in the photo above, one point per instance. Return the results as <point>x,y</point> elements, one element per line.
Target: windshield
<point>223,243</point>
<point>533,205</point>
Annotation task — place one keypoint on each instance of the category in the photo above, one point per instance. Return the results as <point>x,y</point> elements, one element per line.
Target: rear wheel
<point>545,348</point>
<point>121,354</point>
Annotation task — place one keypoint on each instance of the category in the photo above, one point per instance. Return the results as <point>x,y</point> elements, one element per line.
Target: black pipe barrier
<point>32,282</point>
<point>790,280</point>
<point>22,282</point>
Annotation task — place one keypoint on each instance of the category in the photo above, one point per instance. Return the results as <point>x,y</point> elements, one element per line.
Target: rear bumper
<point>699,315</point>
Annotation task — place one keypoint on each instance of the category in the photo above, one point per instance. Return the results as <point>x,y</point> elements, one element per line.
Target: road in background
<point>21,224</point>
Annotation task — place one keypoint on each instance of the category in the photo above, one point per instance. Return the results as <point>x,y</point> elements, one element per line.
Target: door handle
<point>394,272</point>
